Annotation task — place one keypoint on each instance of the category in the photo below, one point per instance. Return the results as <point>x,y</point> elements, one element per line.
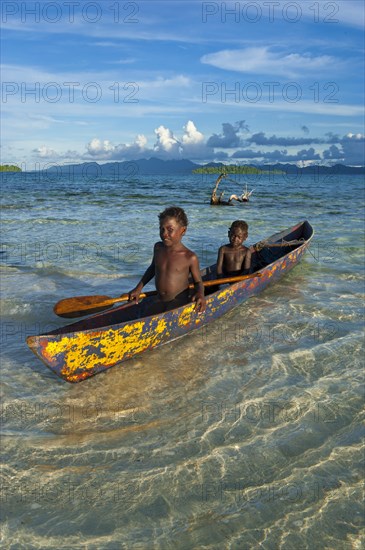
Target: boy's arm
<point>198,297</point>
<point>146,278</point>
<point>220,262</point>
<point>247,262</point>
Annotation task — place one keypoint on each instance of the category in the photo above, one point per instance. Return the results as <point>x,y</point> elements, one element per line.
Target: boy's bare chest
<point>171,260</point>
<point>235,255</point>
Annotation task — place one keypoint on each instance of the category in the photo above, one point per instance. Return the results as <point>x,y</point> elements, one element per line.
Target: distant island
<point>234,169</point>
<point>9,168</point>
<point>218,168</point>
<point>132,169</point>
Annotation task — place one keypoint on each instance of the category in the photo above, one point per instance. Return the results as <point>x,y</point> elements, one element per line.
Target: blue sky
<point>241,82</point>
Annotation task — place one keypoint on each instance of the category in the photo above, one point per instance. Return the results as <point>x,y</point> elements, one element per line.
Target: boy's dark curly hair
<point>175,212</point>
<point>239,224</point>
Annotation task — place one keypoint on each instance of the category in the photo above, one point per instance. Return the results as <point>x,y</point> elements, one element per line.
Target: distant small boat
<point>87,347</point>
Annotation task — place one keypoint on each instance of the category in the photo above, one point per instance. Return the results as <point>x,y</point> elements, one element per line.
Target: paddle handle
<point>214,282</point>
<point>125,297</point>
<point>83,305</point>
<point>224,280</point>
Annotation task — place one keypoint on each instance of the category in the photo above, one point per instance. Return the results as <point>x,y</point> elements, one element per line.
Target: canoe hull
<point>76,352</point>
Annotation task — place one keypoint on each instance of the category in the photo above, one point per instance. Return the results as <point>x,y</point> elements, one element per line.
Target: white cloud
<point>177,81</point>
<point>262,60</point>
<point>166,140</point>
<point>194,146</point>
<point>96,147</point>
<point>106,150</point>
<point>353,148</point>
<point>167,146</point>
<point>141,141</point>
<point>46,153</point>
<point>355,136</point>
<point>192,136</point>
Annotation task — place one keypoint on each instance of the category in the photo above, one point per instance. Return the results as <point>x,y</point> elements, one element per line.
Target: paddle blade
<point>81,305</point>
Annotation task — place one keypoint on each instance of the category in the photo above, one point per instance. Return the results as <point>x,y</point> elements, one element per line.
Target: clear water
<point>244,435</point>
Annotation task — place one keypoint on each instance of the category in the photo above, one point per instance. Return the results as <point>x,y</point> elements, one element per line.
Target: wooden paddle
<point>85,305</point>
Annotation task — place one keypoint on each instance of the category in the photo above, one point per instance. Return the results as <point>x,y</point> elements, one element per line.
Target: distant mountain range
<point>131,168</point>
<point>155,166</point>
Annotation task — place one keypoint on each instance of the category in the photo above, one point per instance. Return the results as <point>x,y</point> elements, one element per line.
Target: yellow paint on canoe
<point>85,351</point>
<point>225,295</point>
<point>110,346</point>
<point>186,315</point>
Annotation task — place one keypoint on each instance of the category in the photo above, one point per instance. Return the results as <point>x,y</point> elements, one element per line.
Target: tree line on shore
<point>233,169</point>
<point>9,168</point>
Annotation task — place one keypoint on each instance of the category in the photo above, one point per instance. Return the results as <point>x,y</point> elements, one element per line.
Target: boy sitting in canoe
<point>171,265</point>
<point>234,258</point>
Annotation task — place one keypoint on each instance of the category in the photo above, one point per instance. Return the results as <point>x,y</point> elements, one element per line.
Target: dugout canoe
<point>87,347</point>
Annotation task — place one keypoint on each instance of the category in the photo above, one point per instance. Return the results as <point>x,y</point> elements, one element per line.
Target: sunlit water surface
<point>243,435</point>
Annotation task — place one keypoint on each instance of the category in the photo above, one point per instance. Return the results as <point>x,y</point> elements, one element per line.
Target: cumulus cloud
<point>353,147</point>
<point>261,139</point>
<point>141,141</point>
<point>167,146</point>
<point>350,150</point>
<point>193,145</point>
<point>106,150</point>
<point>192,136</point>
<point>359,138</point>
<point>232,143</point>
<point>47,153</point>
<point>166,141</point>
<point>229,137</point>
<point>277,155</point>
<point>332,138</point>
<point>262,60</point>
<point>96,147</point>
<point>333,153</point>
<point>247,154</point>
<point>306,154</point>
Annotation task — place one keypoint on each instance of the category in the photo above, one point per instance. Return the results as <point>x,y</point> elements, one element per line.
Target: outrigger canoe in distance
<point>92,345</point>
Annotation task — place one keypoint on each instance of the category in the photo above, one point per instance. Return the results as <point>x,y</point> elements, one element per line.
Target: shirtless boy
<point>171,265</point>
<point>234,258</point>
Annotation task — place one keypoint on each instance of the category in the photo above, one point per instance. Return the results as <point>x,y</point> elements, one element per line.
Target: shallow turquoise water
<point>244,435</point>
